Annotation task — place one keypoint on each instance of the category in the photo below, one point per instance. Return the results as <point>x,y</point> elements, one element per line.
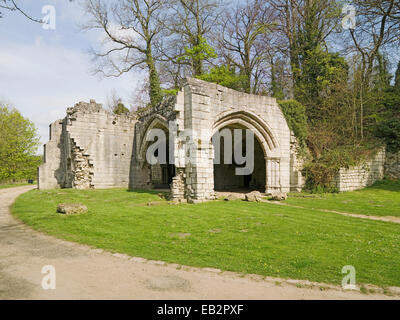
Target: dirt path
<point>85,273</point>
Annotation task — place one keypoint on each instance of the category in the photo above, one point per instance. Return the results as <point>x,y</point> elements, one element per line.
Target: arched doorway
<point>266,175</point>
<point>226,177</point>
<point>160,174</point>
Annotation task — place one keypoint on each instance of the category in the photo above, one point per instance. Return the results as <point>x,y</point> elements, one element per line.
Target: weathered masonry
<point>93,148</point>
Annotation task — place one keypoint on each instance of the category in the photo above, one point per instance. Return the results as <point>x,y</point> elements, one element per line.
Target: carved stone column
<point>273,183</point>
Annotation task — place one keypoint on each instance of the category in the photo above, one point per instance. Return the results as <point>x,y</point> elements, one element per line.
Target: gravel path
<point>86,273</point>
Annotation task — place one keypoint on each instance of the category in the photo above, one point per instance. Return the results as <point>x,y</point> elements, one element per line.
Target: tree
<point>18,145</point>
<point>131,28</point>
<point>388,124</point>
<point>320,71</point>
<point>278,78</point>
<point>304,25</point>
<point>226,76</point>
<point>115,105</point>
<point>196,54</point>
<point>397,76</point>
<point>11,5</point>
<point>378,26</point>
<point>295,115</point>
<point>189,26</point>
<point>241,41</point>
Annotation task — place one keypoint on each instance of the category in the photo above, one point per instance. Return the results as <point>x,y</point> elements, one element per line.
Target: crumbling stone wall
<point>49,175</point>
<point>297,181</point>
<point>89,148</point>
<point>362,176</point>
<point>92,148</point>
<point>82,170</point>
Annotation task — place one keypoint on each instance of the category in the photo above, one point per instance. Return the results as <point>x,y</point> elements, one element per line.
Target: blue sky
<point>43,72</point>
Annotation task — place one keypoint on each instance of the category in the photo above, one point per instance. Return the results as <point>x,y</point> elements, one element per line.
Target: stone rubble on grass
<point>233,196</point>
<point>254,196</point>
<point>71,208</point>
<point>278,196</point>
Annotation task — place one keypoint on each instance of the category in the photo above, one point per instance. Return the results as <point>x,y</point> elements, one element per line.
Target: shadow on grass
<point>386,184</point>
<point>150,191</point>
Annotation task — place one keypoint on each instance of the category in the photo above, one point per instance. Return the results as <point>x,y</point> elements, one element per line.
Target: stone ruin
<point>94,148</point>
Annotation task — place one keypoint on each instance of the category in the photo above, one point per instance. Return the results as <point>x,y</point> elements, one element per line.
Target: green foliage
<point>120,109</point>
<point>389,131</point>
<point>155,92</point>
<point>319,73</point>
<point>170,92</point>
<point>397,77</point>
<point>388,128</point>
<point>196,54</point>
<point>225,76</point>
<point>18,145</point>
<point>277,72</point>
<point>295,115</point>
<point>320,172</point>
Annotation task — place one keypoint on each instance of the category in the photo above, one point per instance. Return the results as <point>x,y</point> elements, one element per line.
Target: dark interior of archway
<point>162,174</point>
<point>225,178</point>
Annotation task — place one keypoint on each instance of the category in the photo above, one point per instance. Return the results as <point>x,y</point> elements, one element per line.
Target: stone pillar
<point>273,182</point>
<point>198,147</point>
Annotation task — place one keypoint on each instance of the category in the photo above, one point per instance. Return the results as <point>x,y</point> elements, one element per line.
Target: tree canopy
<point>18,146</point>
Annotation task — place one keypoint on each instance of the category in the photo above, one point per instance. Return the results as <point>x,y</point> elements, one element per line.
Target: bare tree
<point>304,24</point>
<point>378,27</point>
<point>189,24</point>
<point>11,5</point>
<point>131,28</point>
<point>243,40</point>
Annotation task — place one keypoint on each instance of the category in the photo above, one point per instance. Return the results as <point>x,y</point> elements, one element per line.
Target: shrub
<point>295,114</point>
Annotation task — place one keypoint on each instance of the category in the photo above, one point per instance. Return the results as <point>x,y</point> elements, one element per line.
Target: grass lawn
<point>381,199</point>
<point>240,236</point>
<point>13,185</point>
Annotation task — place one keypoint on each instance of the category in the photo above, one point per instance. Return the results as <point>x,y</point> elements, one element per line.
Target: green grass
<point>381,199</point>
<point>13,185</point>
<point>258,238</point>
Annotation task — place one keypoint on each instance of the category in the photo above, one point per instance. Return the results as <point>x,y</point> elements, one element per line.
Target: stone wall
<point>89,148</point>
<point>93,148</point>
<point>49,176</point>
<point>297,181</point>
<point>362,176</point>
<point>392,165</point>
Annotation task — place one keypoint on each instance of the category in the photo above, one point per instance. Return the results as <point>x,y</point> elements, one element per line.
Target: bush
<point>320,172</point>
<point>295,114</point>
<point>389,131</point>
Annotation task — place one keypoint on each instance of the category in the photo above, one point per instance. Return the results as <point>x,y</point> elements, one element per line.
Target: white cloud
<point>43,72</point>
<point>42,81</point>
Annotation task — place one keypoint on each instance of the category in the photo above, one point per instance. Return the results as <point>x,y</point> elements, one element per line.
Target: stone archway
<point>266,152</point>
<point>225,177</point>
<point>157,175</point>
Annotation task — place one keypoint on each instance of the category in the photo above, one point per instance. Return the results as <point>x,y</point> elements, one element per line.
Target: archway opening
<point>162,172</point>
<point>226,177</point>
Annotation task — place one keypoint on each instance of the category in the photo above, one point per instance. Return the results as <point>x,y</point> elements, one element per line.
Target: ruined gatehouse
<point>93,148</point>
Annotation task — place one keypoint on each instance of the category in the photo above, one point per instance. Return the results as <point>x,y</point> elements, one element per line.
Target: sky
<point>44,72</point>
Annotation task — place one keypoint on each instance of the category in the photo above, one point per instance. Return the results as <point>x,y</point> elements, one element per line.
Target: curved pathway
<point>86,273</point>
